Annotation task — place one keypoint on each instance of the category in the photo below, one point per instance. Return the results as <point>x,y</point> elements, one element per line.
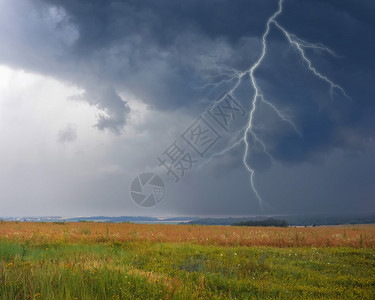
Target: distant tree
<point>271,222</point>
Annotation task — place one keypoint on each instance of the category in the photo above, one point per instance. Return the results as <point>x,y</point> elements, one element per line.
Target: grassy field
<point>130,261</point>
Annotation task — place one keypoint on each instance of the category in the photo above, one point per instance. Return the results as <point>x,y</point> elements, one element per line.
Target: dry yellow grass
<point>332,236</point>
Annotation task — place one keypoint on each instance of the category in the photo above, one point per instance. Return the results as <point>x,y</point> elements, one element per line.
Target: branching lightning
<point>230,75</point>
<point>300,45</point>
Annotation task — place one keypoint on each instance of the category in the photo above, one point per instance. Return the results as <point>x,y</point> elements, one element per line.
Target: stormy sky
<point>94,93</point>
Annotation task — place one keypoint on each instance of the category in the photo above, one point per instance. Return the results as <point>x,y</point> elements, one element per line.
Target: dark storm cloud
<point>152,50</point>
<point>158,50</point>
<point>326,123</point>
<point>160,23</point>
<point>162,51</point>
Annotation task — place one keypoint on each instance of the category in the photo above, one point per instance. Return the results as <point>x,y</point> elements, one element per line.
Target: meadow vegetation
<point>133,261</point>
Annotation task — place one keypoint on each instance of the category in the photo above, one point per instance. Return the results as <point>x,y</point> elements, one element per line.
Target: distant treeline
<point>264,223</point>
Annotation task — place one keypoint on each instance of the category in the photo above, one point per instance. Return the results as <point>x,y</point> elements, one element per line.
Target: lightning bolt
<point>230,75</point>
<point>300,45</point>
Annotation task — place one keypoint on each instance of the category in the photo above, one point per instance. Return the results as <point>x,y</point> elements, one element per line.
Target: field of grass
<point>130,261</point>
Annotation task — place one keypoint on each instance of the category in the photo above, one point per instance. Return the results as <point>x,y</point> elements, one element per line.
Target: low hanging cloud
<point>67,134</point>
<point>114,109</point>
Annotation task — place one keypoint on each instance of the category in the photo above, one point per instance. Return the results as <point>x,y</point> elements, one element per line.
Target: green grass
<point>143,270</point>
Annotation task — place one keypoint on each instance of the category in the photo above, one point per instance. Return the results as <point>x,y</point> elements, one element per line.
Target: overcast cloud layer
<point>93,91</point>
